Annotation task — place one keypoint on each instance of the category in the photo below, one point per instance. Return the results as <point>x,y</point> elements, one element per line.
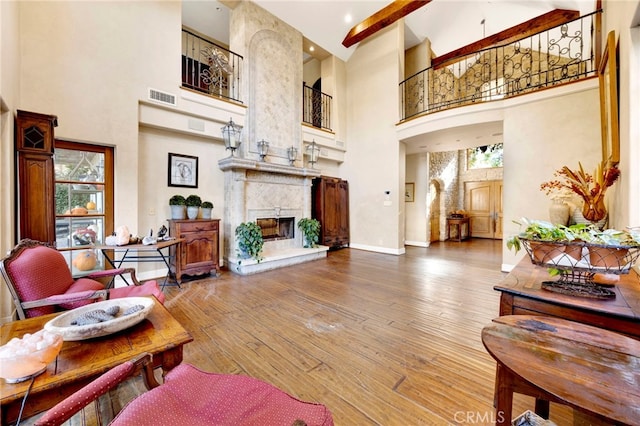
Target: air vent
<point>162,97</point>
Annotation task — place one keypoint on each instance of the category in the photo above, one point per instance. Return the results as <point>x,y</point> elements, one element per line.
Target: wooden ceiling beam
<point>381,19</point>
<point>533,26</point>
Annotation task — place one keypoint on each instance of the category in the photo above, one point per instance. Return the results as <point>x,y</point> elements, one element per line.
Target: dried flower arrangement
<point>591,188</point>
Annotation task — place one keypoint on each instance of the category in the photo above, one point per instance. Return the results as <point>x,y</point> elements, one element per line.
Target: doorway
<point>483,203</point>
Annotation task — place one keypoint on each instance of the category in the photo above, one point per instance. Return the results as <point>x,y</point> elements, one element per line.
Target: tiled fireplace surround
<point>256,190</point>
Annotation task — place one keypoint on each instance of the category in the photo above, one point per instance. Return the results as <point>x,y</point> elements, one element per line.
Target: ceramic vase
<point>192,212</point>
<point>206,213</point>
<point>559,212</point>
<point>177,212</point>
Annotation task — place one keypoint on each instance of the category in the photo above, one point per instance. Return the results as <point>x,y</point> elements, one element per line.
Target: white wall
<point>372,162</point>
<point>107,67</point>
<point>9,82</point>
<point>540,137</point>
<point>621,16</point>
<point>417,222</point>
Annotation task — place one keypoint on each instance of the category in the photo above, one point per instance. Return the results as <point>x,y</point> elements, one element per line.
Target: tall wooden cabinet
<point>35,176</point>
<point>330,205</point>
<point>199,250</point>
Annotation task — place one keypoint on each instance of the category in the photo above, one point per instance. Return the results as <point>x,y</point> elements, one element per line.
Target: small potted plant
<point>177,203</point>
<point>250,242</point>
<point>207,207</point>
<point>193,203</point>
<point>311,230</point>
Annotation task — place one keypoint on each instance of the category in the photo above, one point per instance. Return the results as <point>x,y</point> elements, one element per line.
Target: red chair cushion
<point>82,284</point>
<point>193,397</point>
<point>149,288</point>
<point>37,273</point>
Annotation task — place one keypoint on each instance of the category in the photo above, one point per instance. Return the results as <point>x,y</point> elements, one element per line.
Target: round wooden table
<point>589,368</point>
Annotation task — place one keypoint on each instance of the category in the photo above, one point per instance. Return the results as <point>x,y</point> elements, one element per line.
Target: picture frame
<point>183,171</point>
<point>409,192</point>
<point>608,79</point>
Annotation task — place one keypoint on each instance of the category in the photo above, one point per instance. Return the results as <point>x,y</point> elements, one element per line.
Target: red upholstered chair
<point>40,281</point>
<point>193,397</point>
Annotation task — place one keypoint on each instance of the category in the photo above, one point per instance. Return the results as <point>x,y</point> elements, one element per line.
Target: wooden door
<point>434,215</point>
<point>483,203</point>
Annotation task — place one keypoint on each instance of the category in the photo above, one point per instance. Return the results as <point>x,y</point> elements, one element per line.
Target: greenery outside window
<point>483,157</point>
<point>83,196</point>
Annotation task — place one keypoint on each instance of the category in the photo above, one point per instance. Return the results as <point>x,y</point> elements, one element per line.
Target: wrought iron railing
<point>210,68</point>
<point>556,56</point>
<point>316,108</point>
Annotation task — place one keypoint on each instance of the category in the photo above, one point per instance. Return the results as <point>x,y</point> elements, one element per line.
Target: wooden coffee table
<point>82,361</point>
<point>588,368</point>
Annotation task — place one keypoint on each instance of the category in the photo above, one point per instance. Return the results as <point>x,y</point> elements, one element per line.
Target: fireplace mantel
<point>236,163</point>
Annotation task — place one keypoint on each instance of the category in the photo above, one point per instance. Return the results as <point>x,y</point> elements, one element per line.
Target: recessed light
<point>311,49</point>
<point>348,18</point>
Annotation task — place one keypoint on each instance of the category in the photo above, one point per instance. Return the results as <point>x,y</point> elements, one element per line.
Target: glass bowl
<point>24,358</point>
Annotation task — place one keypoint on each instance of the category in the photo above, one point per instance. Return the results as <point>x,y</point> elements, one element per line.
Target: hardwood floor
<point>379,339</point>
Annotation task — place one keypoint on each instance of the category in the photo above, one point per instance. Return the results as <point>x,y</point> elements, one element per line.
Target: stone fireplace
<point>264,193</point>
<point>254,189</point>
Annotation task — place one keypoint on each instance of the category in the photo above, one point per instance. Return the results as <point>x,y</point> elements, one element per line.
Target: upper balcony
<point>560,55</point>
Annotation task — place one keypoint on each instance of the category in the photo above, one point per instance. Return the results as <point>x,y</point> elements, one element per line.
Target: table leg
<point>504,396</point>
<point>542,408</point>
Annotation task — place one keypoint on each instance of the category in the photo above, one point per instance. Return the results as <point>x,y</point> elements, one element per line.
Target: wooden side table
<point>588,368</point>
<point>461,224</point>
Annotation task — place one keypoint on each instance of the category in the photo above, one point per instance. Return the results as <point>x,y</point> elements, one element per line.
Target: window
<point>83,196</point>
<point>483,157</point>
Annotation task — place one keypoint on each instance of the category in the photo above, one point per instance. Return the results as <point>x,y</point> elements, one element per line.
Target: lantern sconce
<point>263,149</point>
<point>314,152</point>
<point>231,136</point>
<point>292,153</point>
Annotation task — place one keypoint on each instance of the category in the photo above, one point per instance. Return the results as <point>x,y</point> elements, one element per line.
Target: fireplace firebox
<point>277,228</point>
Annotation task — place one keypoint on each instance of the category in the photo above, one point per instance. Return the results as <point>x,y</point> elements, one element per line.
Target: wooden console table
<point>461,224</point>
<point>79,362</point>
<point>522,293</point>
<point>590,369</point>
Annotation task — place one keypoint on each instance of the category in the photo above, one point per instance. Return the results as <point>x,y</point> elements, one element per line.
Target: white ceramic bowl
<point>62,323</point>
<point>21,359</point>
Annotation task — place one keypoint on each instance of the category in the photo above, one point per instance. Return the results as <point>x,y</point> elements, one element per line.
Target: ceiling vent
<point>162,97</point>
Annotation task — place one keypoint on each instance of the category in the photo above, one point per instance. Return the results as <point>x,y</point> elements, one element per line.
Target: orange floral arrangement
<point>591,188</point>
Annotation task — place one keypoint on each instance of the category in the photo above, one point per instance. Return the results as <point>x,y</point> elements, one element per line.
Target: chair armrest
<point>68,407</point>
<point>66,298</point>
<point>115,272</point>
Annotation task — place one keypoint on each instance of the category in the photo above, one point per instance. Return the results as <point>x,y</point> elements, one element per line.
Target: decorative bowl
<point>24,358</point>
<point>66,326</point>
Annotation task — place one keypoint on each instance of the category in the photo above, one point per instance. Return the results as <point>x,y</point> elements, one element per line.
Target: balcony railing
<point>316,108</point>
<point>560,55</point>
<point>210,68</point>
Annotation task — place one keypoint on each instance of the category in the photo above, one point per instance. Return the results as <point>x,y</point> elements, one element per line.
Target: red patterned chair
<point>40,281</point>
<point>193,397</point>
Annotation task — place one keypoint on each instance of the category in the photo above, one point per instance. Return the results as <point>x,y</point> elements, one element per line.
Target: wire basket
<point>578,262</point>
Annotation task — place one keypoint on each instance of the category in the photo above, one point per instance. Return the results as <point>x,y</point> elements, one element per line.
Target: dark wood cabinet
<point>199,250</point>
<point>330,205</point>
<point>35,176</point>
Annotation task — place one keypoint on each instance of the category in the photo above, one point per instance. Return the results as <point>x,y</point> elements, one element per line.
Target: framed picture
<point>608,75</point>
<point>409,192</point>
<point>183,170</point>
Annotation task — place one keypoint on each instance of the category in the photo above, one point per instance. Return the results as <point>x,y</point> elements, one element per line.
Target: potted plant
<point>193,203</point>
<point>311,230</point>
<point>606,248</point>
<point>206,207</point>
<point>177,203</point>
<point>250,242</point>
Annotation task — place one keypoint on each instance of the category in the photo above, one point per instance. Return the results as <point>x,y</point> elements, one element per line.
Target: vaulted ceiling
<point>448,24</point>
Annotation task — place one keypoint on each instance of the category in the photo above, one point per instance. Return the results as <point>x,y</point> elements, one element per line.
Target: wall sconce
<point>292,153</point>
<point>314,152</point>
<point>231,136</point>
<point>263,148</point>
